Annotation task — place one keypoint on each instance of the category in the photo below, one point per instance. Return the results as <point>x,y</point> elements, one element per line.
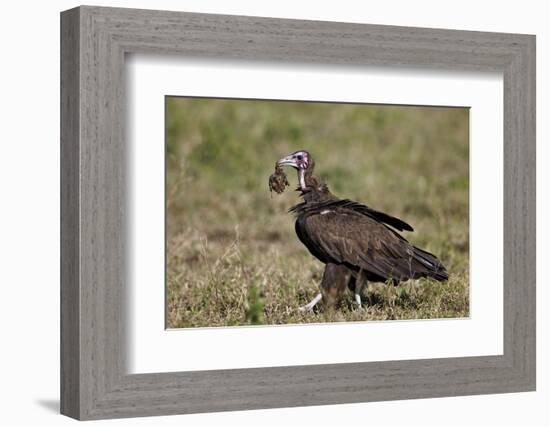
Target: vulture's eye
<point>299,157</point>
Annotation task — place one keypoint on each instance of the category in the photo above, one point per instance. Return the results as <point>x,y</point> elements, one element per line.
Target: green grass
<point>232,254</point>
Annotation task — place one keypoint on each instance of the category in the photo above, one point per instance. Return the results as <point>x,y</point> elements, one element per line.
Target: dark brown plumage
<point>362,242</point>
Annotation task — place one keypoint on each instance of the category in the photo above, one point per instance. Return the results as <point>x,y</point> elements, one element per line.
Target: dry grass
<point>232,255</point>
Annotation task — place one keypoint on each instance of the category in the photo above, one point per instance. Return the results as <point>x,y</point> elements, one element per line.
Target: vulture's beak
<point>288,161</point>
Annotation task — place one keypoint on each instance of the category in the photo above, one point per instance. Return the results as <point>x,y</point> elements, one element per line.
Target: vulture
<point>356,243</point>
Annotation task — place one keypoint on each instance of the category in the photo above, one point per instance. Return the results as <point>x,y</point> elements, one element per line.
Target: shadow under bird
<point>356,243</point>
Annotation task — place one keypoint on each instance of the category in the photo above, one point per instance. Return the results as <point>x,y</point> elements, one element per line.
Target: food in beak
<point>278,180</point>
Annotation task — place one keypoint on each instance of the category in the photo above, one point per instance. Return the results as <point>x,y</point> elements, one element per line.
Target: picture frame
<point>94,267</point>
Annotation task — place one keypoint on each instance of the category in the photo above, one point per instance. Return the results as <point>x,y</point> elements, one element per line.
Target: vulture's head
<point>299,160</point>
<point>302,162</point>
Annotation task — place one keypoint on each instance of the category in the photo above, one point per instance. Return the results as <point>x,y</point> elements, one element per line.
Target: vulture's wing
<point>377,215</point>
<point>354,206</point>
<point>344,236</point>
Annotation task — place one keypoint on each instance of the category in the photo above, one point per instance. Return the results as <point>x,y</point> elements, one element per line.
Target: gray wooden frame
<point>94,41</point>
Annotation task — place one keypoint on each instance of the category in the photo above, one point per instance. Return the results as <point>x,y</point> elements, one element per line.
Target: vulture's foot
<point>309,306</point>
<point>358,301</point>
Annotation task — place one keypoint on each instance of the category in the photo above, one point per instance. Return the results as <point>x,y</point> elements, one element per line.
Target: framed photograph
<point>261,213</point>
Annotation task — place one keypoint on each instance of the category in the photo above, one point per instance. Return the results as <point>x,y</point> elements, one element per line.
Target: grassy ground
<point>232,254</point>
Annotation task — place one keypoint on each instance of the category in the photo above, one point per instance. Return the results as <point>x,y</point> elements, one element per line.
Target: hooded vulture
<point>356,243</point>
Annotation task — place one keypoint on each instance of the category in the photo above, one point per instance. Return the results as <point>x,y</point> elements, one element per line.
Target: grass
<point>232,254</point>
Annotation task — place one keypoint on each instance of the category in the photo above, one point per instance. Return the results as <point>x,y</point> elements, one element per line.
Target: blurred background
<point>233,257</point>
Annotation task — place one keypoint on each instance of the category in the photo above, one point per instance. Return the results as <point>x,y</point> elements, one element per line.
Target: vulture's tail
<point>432,266</point>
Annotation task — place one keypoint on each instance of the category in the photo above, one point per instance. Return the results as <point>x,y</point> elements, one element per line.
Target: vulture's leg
<point>360,283</point>
<point>309,306</point>
<point>336,279</point>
